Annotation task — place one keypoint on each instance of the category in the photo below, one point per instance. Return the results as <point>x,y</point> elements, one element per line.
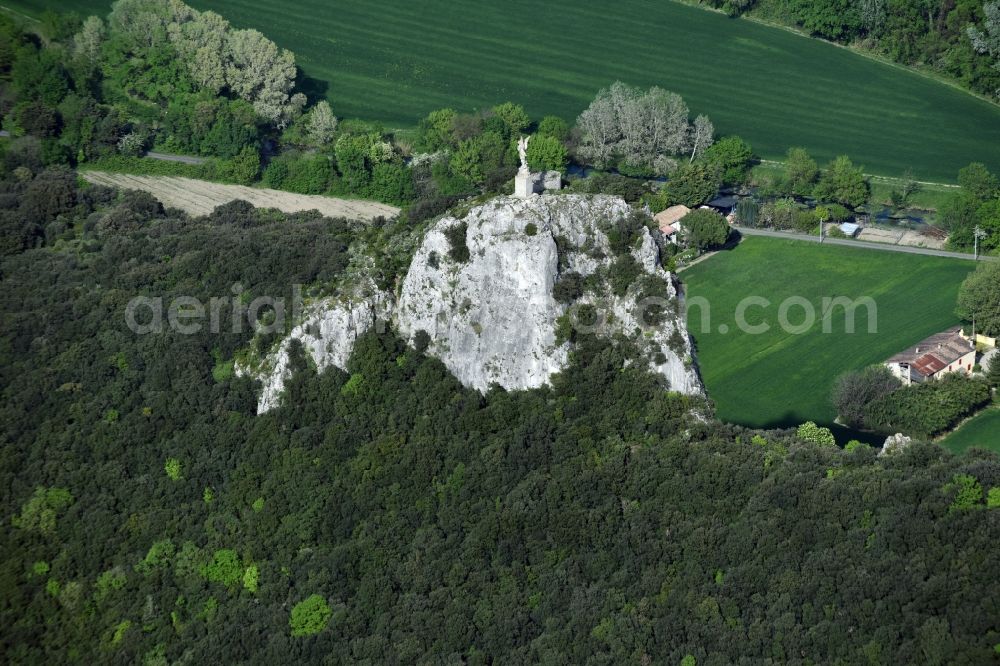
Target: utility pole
<point>977,233</point>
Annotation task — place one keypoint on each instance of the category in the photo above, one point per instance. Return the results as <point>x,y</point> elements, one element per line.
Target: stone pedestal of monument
<point>552,180</point>
<point>525,184</point>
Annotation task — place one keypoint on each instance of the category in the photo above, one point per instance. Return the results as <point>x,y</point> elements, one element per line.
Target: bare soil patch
<point>199,197</point>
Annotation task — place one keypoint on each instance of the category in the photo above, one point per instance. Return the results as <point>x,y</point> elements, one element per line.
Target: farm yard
<point>983,431</point>
<point>395,61</point>
<point>781,379</point>
<point>200,197</point>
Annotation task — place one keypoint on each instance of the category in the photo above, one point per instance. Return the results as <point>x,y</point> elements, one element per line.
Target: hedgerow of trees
<point>960,40</point>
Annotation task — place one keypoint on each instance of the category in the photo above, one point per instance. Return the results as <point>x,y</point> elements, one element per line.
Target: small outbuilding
<point>668,221</point>
<point>725,204</point>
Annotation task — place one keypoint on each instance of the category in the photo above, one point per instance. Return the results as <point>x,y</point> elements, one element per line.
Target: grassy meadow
<point>395,60</point>
<point>982,431</point>
<point>782,379</point>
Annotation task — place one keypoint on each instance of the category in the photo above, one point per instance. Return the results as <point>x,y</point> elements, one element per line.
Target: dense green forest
<point>388,515</point>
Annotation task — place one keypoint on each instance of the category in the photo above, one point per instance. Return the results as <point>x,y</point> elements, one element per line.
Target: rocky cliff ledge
<point>327,332</point>
<point>499,291</point>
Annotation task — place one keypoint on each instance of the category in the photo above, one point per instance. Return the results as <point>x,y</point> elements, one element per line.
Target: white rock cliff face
<point>327,332</point>
<point>492,319</point>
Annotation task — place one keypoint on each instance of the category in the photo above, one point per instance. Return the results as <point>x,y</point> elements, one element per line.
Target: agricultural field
<point>982,431</point>
<point>200,197</point>
<point>395,60</point>
<point>782,379</point>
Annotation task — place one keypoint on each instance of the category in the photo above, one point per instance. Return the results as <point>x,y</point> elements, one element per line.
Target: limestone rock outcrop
<point>895,444</point>
<point>489,306</point>
<point>493,318</point>
<point>327,332</point>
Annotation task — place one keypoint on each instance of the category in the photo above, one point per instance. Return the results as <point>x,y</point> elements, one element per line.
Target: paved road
<point>885,247</point>
<point>167,157</point>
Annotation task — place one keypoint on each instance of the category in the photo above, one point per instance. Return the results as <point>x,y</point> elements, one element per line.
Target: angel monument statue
<point>522,151</point>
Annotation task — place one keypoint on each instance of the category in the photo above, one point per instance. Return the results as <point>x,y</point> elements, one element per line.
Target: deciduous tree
<point>703,229</point>
<point>979,299</point>
<point>322,124</point>
<point>843,183</point>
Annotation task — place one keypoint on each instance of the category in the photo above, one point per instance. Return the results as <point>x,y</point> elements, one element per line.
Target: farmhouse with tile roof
<point>949,351</point>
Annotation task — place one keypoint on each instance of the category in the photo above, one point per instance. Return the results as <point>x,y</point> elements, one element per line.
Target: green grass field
<point>982,431</point>
<point>395,60</point>
<point>782,379</point>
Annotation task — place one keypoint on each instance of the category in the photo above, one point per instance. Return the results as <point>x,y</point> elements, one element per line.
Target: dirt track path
<point>199,197</point>
<point>885,247</point>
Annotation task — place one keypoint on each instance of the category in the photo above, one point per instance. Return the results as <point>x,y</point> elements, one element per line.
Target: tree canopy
<point>979,298</point>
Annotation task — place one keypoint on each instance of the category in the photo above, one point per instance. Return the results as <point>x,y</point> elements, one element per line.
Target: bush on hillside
<point>927,409</point>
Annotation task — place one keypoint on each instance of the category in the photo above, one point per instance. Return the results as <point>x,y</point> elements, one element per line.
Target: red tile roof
<point>928,364</point>
<point>935,353</point>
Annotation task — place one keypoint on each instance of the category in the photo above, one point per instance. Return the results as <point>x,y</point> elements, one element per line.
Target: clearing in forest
<point>982,430</point>
<point>780,378</point>
<point>200,197</point>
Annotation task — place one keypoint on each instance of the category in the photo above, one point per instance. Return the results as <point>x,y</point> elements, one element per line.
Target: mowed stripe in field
<point>396,60</point>
<point>780,378</point>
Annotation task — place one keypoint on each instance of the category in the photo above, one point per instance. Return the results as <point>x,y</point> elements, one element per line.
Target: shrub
<point>310,616</point>
<point>421,340</point>
<point>853,391</point>
<point>623,273</point>
<point>308,175</point>
<point>814,434</point>
<point>424,209</point>
<point>144,166</point>
<point>624,233</point>
<point>568,288</point>
<point>224,568</point>
<point>555,127</point>
<point>546,153</point>
<point>704,229</point>
<point>693,184</point>
<point>391,183</point>
<point>244,168</point>
<point>732,156</point>
<point>458,249</point>
<point>927,409</point>
<point>276,174</point>
<point>803,220</point>
<point>629,189</point>
<point>968,492</point>
<point>650,305</point>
